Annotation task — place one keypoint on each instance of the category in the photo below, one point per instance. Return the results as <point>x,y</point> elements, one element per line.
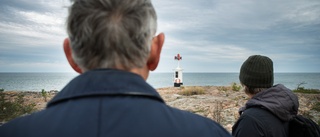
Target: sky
<point>210,35</point>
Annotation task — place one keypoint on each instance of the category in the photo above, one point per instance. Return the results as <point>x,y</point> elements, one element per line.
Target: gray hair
<point>111,33</point>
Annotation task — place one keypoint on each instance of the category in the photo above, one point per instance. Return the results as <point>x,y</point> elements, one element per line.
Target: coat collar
<point>105,82</point>
<point>279,100</point>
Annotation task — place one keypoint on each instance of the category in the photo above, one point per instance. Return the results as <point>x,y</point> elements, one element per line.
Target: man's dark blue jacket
<point>110,103</point>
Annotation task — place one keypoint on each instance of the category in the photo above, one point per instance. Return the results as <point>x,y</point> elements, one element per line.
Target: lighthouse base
<point>177,84</point>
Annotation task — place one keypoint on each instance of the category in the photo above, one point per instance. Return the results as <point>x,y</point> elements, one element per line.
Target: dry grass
<point>192,90</point>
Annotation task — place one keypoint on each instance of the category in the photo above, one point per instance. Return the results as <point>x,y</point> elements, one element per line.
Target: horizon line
<point>152,72</point>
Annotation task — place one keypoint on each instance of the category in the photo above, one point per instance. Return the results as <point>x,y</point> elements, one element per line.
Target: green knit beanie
<point>257,72</point>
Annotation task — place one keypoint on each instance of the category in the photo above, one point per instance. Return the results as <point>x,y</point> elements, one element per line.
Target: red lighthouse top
<point>178,57</point>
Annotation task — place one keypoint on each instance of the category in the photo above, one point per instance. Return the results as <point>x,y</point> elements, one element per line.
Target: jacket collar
<point>278,99</point>
<point>108,82</point>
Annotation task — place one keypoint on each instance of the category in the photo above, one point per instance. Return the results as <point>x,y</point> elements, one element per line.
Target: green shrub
<point>307,91</point>
<point>44,95</point>
<point>12,107</point>
<point>189,91</point>
<point>235,87</point>
<point>1,89</point>
<point>301,89</point>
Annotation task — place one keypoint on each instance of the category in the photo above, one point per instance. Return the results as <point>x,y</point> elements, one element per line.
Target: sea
<point>56,81</point>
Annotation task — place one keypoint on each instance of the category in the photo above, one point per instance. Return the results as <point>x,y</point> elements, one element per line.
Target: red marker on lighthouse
<point>178,57</point>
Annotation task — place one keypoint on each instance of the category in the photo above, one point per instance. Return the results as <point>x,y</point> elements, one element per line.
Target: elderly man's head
<point>111,33</point>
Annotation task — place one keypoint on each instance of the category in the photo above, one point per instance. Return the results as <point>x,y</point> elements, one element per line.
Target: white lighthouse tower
<point>177,75</point>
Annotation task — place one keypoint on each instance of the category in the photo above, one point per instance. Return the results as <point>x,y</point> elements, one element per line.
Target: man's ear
<point>156,47</point>
<point>68,53</point>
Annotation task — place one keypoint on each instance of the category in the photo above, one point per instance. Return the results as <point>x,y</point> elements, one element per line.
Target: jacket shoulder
<point>259,122</point>
<point>193,124</point>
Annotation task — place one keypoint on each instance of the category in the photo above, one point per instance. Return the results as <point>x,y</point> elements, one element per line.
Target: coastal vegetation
<point>301,89</point>
<point>235,86</point>
<point>12,106</point>
<point>307,91</point>
<point>191,90</point>
<point>44,95</point>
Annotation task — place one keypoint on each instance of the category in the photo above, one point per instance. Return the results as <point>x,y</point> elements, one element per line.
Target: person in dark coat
<point>112,45</point>
<point>270,107</point>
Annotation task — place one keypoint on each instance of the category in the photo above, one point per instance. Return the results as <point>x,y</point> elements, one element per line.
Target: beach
<point>219,103</point>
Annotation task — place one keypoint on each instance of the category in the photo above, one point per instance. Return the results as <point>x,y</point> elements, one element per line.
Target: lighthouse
<point>177,75</point>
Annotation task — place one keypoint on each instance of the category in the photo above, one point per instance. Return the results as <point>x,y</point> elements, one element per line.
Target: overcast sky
<point>210,35</point>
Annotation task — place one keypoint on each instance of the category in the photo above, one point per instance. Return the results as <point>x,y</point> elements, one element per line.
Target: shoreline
<point>167,87</point>
<point>219,103</point>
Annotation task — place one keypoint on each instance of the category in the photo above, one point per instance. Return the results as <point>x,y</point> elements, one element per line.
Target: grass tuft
<point>193,90</point>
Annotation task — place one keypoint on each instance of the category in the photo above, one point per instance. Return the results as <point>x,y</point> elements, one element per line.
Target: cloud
<point>30,33</point>
<point>32,19</point>
<point>211,35</point>
<point>222,31</point>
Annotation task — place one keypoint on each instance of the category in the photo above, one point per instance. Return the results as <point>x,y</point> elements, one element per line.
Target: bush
<point>189,91</point>
<point>12,107</point>
<point>307,91</point>
<point>301,89</point>
<point>44,95</point>
<point>235,87</point>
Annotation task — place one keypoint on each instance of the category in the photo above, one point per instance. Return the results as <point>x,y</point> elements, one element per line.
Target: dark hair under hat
<point>257,72</point>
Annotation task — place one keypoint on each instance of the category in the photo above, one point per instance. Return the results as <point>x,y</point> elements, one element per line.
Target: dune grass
<point>191,90</point>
